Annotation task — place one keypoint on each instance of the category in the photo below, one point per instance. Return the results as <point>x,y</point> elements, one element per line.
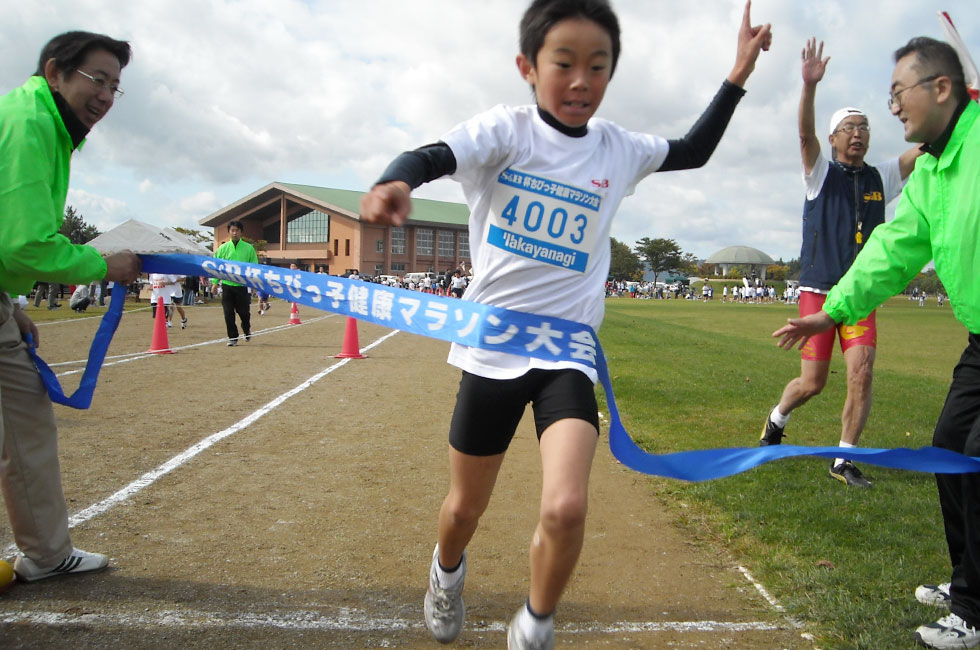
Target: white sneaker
<point>936,595</point>
<point>948,632</point>
<point>169,324</point>
<point>443,608</point>
<point>78,562</point>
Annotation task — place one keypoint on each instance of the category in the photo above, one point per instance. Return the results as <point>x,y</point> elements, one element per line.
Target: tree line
<point>664,256</point>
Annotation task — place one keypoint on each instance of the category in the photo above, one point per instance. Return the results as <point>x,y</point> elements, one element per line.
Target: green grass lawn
<point>692,375</point>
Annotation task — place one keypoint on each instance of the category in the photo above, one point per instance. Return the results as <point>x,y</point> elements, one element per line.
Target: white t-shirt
<point>162,287</point>
<point>891,177</point>
<point>891,181</point>
<point>541,207</point>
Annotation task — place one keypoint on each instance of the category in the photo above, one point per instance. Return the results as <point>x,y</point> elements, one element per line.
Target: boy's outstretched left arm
<point>751,41</point>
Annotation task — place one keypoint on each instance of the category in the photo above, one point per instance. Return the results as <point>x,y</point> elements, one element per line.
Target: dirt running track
<point>313,526</point>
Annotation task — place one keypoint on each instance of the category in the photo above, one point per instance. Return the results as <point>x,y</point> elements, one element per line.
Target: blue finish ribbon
<point>513,332</point>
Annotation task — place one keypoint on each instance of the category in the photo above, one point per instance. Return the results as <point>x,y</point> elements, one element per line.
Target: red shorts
<point>820,347</point>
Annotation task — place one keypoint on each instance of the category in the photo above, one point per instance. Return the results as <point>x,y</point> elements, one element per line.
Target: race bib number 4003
<point>544,220</point>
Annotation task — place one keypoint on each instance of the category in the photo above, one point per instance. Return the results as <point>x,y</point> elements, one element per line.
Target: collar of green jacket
<point>69,123</point>
<point>957,135</point>
<point>76,130</point>
<point>937,146</point>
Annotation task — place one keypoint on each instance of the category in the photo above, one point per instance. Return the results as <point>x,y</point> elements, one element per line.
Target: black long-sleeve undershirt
<point>436,160</point>
<point>695,148</point>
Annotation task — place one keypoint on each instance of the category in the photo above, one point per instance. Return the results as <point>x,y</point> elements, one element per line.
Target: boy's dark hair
<point>934,57</point>
<point>70,49</point>
<point>542,15</point>
<point>236,222</point>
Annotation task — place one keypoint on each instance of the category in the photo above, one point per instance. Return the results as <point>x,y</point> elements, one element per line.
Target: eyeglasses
<point>849,128</point>
<point>893,97</point>
<point>102,84</point>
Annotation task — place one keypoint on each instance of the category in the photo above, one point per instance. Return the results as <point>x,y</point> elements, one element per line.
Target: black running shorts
<point>488,410</point>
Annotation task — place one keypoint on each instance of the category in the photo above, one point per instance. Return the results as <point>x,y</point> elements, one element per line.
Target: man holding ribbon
<point>937,218</point>
<point>41,124</point>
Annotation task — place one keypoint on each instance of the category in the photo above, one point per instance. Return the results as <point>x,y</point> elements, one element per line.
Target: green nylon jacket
<point>35,161</point>
<point>937,218</point>
<point>243,252</point>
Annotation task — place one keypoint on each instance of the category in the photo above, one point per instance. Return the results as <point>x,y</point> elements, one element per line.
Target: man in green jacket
<point>937,218</point>
<point>41,125</point>
<point>234,296</point>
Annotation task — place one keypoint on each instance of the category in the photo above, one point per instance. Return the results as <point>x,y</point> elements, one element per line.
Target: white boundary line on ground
<point>62,321</point>
<point>769,597</point>
<point>162,470</point>
<point>346,620</point>
<point>133,356</point>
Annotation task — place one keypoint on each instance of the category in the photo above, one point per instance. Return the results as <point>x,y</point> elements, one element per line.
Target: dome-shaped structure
<point>744,256</point>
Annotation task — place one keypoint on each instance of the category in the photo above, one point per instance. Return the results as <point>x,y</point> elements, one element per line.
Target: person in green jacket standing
<point>42,123</point>
<point>235,297</point>
<point>937,218</point>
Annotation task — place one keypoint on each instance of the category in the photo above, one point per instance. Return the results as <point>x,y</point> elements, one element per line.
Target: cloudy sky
<point>226,96</point>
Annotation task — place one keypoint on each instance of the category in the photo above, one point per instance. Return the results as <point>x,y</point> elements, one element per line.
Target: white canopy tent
<point>141,237</point>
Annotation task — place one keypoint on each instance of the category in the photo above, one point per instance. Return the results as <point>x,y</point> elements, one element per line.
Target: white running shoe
<point>948,632</point>
<point>936,595</point>
<point>444,609</point>
<point>78,562</point>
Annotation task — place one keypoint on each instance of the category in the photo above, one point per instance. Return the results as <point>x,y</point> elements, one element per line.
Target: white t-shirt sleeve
<point>813,182</point>
<point>891,178</point>
<point>648,152</point>
<point>484,141</point>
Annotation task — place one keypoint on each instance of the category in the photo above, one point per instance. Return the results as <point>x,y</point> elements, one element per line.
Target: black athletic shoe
<point>848,474</point>
<point>771,434</point>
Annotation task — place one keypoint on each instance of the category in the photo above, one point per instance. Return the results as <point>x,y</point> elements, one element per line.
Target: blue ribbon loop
<point>493,328</point>
<point>82,397</point>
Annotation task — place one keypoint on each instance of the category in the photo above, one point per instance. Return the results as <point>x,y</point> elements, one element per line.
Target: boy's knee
<point>463,513</point>
<point>564,514</point>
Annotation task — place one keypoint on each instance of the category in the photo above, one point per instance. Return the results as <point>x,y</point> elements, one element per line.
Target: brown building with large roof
<point>320,227</point>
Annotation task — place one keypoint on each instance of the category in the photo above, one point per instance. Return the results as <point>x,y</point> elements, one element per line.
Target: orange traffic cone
<point>159,344</point>
<point>351,348</point>
<point>294,315</point>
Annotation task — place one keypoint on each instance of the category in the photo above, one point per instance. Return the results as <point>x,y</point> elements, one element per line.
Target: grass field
<point>845,561</point>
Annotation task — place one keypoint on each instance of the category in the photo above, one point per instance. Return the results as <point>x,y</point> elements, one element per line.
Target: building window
<point>397,241</point>
<point>447,243</point>
<point>312,227</point>
<point>464,244</point>
<point>379,246</point>
<point>397,266</point>
<point>424,241</point>
<point>379,269</point>
<point>336,246</point>
<point>347,247</point>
